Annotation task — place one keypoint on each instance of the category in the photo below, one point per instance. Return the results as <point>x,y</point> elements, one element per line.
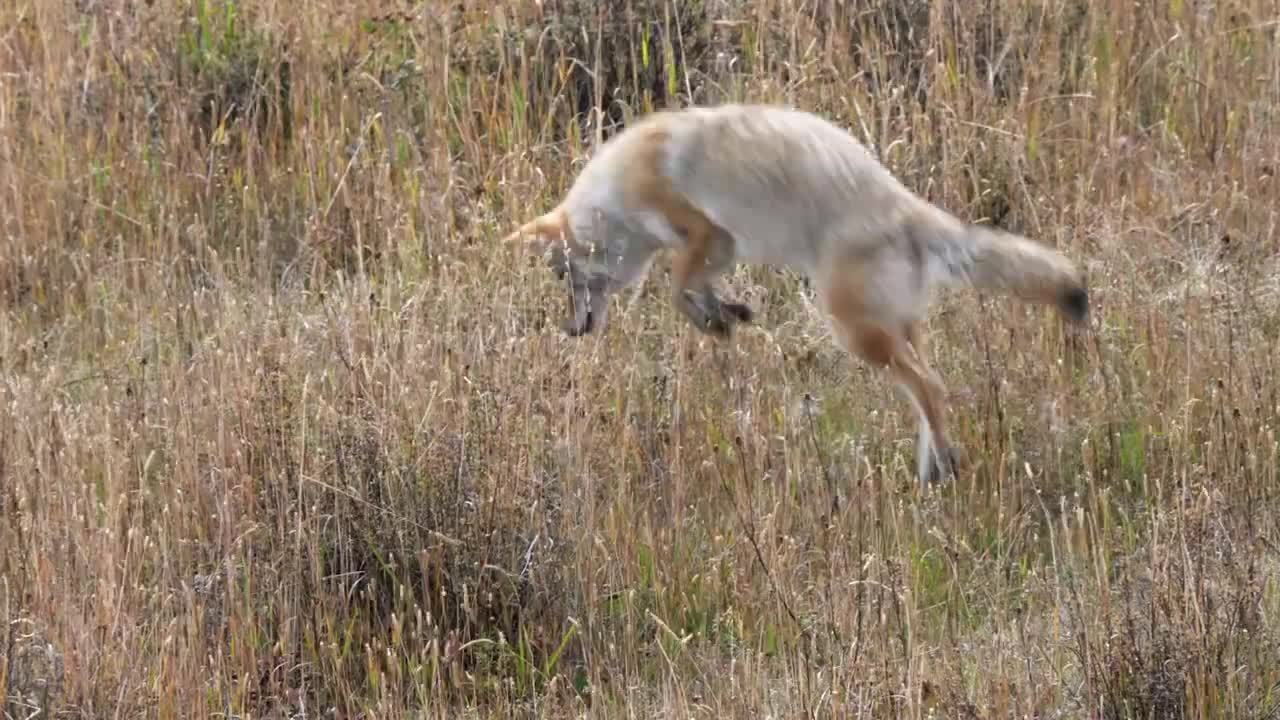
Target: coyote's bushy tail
<point>989,259</point>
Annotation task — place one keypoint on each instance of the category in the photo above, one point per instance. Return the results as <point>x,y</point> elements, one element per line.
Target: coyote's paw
<point>718,326</point>
<point>944,467</point>
<point>712,316</point>
<point>725,316</point>
<point>578,326</point>
<point>739,312</point>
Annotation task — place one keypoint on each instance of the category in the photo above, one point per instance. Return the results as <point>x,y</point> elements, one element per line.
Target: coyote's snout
<point>773,185</point>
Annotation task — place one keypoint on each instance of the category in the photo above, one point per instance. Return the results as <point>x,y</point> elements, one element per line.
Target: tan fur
<point>772,185</point>
<point>548,227</point>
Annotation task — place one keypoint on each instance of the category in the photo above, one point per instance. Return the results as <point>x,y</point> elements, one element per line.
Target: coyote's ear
<point>546,230</point>
<point>540,231</point>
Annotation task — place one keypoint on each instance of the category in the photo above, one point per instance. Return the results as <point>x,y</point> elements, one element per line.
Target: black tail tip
<point>1075,303</point>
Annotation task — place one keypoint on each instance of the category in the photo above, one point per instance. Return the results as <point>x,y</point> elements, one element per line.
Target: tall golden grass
<point>286,433</point>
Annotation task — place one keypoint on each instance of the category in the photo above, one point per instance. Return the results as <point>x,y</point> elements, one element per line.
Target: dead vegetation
<point>286,435</point>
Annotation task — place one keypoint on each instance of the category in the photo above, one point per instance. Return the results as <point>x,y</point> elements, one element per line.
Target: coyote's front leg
<point>707,253</point>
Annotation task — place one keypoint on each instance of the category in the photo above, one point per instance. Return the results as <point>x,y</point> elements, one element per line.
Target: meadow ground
<point>285,432</point>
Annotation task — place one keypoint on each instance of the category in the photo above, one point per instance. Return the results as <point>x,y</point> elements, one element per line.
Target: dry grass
<point>285,435</point>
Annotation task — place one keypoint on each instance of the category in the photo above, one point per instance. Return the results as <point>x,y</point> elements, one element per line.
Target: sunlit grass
<point>287,433</point>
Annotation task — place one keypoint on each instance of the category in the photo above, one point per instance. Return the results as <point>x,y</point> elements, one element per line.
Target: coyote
<point>773,185</point>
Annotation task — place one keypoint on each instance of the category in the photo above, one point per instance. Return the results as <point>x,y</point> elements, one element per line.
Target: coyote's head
<point>587,290</point>
<point>573,263</point>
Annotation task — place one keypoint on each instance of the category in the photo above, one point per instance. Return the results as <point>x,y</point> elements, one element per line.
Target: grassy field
<point>286,433</point>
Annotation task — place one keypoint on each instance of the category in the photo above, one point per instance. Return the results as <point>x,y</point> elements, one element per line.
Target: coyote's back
<point>790,187</point>
<point>793,189</point>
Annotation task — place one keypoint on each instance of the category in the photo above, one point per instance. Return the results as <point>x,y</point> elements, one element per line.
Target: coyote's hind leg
<point>866,330</point>
<point>933,464</point>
